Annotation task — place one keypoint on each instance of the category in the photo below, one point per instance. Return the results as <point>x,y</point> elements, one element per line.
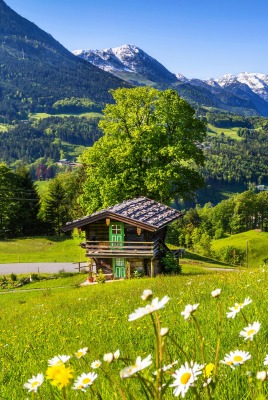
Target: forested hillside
<point>36,70</point>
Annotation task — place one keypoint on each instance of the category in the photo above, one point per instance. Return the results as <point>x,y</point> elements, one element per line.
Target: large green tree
<point>148,149</point>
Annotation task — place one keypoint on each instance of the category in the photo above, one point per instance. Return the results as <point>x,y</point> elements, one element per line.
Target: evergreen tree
<point>56,206</point>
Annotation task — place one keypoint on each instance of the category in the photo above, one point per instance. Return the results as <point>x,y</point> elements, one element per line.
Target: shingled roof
<point>141,212</point>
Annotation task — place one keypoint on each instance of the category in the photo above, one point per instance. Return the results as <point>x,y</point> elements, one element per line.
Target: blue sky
<point>198,38</point>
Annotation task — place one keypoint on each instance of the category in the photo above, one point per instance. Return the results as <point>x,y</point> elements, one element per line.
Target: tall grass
<point>36,326</point>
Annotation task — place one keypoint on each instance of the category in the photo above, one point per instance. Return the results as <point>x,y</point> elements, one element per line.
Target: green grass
<point>230,132</point>
<point>41,249</point>
<point>255,241</point>
<point>38,116</point>
<point>4,127</point>
<point>38,325</point>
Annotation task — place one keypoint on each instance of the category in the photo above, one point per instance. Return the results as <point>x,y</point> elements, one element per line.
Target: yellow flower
<point>60,375</point>
<point>208,370</point>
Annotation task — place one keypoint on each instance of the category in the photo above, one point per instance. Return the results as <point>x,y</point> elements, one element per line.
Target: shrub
<point>100,277</point>
<point>170,264</point>
<point>13,277</point>
<point>231,254</point>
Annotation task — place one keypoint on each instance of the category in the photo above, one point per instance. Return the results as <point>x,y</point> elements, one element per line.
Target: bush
<point>232,255</point>
<point>170,264</point>
<point>137,274</point>
<point>100,277</point>
<point>13,277</point>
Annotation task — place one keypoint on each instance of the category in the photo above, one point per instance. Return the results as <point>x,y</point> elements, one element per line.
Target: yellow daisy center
<point>35,383</point>
<point>86,381</point>
<point>238,358</point>
<point>185,377</point>
<point>251,332</point>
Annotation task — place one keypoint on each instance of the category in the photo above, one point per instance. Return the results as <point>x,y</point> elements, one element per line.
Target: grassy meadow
<point>41,249</point>
<point>40,324</point>
<point>230,132</point>
<point>255,241</point>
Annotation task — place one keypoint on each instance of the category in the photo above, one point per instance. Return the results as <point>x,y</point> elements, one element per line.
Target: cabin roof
<point>141,212</point>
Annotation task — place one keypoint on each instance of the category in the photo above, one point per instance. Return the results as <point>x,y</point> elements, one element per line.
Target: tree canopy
<point>149,148</point>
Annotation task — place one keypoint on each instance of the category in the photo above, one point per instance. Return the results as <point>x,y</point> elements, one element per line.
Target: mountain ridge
<point>36,70</point>
<point>245,93</point>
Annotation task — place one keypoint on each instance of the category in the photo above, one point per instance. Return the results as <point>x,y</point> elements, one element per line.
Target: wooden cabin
<point>127,237</point>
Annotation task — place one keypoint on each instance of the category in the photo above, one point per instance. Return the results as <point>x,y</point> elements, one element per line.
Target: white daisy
<point>138,366</point>
<point>189,309</point>
<point>261,375</point>
<point>108,357</point>
<point>235,358</point>
<point>147,294</point>
<point>85,380</point>
<point>216,293</point>
<point>33,383</point>
<point>117,354</point>
<point>237,307</point>
<point>185,377</point>
<point>58,360</point>
<point>96,364</point>
<point>82,352</point>
<point>164,331</point>
<point>266,360</point>
<point>149,308</point>
<point>250,331</point>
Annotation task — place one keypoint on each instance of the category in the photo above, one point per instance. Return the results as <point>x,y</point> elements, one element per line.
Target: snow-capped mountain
<point>128,61</point>
<point>245,93</point>
<point>257,82</point>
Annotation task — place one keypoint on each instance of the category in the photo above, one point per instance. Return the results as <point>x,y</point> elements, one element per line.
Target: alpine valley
<point>51,101</point>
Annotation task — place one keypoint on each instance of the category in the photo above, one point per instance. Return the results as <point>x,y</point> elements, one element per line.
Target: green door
<point>119,267</point>
<point>116,237</point>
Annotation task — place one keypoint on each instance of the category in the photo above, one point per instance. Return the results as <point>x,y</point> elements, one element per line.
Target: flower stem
<point>219,330</point>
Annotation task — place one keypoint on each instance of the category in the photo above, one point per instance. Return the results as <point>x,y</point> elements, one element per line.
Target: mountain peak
<point>257,82</point>
<point>128,59</point>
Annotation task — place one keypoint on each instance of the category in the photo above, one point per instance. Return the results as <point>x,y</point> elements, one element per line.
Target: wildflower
<point>138,366</point>
<point>34,383</point>
<point>149,308</point>
<point>60,375</point>
<point>164,331</point>
<point>208,370</point>
<point>165,367</point>
<point>207,382</point>
<point>250,331</point>
<point>117,354</point>
<point>261,375</point>
<point>237,307</point>
<point>216,293</point>
<point>266,360</point>
<point>108,357</point>
<point>96,364</point>
<point>82,352</point>
<point>235,358</point>
<point>189,309</point>
<point>58,360</point>
<point>185,377</point>
<point>147,294</point>
<point>85,380</point>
